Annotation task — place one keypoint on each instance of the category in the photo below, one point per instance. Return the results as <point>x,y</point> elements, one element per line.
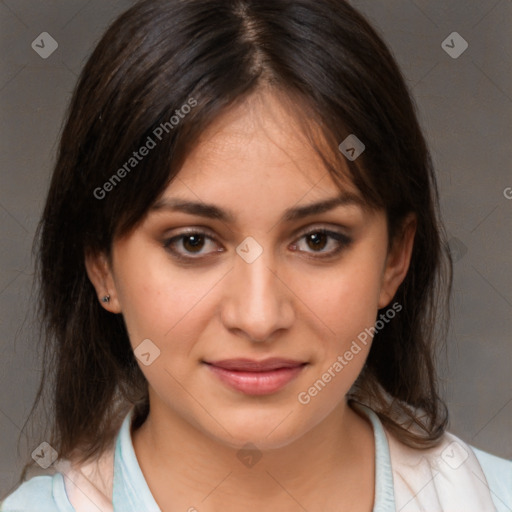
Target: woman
<point>241,264</point>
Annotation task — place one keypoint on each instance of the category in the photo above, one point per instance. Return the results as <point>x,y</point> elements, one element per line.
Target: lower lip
<point>257,383</point>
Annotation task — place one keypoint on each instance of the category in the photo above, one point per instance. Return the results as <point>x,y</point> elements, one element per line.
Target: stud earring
<point>106,298</point>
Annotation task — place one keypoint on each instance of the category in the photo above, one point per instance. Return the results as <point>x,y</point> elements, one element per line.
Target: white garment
<point>447,478</point>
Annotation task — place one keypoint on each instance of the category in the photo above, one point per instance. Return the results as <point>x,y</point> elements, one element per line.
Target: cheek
<point>150,297</point>
<point>345,299</point>
<point>346,302</point>
<point>161,302</point>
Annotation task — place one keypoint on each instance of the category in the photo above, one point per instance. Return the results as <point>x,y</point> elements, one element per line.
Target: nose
<point>257,303</point>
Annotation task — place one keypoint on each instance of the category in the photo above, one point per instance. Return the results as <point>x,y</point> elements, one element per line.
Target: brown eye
<point>191,245</point>
<point>322,243</point>
<point>317,241</point>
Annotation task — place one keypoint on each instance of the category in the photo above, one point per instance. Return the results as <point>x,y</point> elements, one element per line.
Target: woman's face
<point>247,269</point>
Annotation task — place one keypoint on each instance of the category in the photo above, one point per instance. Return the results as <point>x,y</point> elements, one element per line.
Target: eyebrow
<point>291,214</point>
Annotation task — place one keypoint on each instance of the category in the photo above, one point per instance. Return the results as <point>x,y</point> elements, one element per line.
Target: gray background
<point>465,106</point>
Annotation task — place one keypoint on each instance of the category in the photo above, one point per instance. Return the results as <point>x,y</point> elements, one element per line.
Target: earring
<point>106,298</point>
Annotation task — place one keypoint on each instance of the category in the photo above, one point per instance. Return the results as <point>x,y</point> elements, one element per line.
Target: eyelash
<point>343,242</point>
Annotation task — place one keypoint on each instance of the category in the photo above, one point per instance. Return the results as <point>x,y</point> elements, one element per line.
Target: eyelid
<point>203,230</point>
<point>334,228</point>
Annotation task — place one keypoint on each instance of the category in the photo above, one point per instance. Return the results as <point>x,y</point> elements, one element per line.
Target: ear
<point>398,260</point>
<point>100,274</point>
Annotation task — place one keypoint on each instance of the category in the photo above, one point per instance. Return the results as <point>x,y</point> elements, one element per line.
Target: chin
<point>267,431</point>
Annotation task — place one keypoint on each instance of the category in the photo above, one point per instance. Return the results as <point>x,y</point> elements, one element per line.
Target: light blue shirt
<point>131,492</point>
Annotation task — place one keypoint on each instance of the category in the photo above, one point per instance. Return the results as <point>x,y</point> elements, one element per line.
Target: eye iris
<point>318,240</point>
<point>193,242</point>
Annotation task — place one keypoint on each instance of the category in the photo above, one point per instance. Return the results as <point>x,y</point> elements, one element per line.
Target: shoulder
<point>40,493</point>
<point>498,473</point>
<point>451,474</point>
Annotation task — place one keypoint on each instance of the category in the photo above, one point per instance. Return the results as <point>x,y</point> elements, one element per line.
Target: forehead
<point>257,148</point>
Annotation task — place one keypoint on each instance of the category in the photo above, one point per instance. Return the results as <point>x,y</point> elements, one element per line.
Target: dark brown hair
<point>339,74</point>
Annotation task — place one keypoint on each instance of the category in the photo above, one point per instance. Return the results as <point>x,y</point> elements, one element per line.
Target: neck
<point>184,466</point>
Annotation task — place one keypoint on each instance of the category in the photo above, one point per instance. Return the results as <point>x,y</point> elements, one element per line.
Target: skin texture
<point>289,302</point>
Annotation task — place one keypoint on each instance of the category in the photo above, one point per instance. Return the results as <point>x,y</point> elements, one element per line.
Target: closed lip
<point>251,365</point>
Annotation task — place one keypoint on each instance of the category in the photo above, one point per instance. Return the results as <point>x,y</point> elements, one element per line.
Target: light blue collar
<point>384,490</point>
<point>131,492</point>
